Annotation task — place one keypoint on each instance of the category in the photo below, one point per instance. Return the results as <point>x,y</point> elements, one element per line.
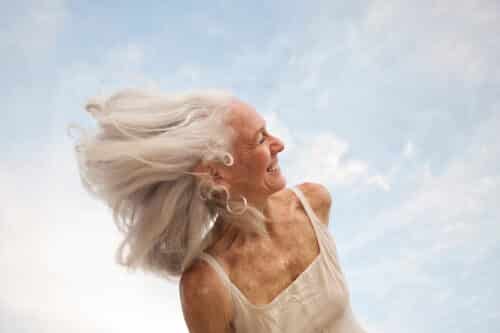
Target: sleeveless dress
<point>317,300</point>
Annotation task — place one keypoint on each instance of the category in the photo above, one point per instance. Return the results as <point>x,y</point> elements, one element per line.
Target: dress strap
<point>217,267</point>
<point>307,207</point>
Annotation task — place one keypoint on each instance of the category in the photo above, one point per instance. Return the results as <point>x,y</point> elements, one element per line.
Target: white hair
<point>140,162</point>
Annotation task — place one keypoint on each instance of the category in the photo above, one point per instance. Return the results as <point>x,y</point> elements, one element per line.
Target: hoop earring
<point>239,212</point>
<point>202,190</point>
<point>228,159</point>
<point>203,197</point>
<point>229,209</point>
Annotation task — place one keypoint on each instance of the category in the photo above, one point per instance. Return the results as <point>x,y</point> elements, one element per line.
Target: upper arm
<point>319,198</point>
<point>206,302</point>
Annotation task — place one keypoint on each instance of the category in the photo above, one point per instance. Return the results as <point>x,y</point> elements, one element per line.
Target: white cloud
<point>448,37</point>
<point>57,248</point>
<point>449,216</point>
<point>380,181</point>
<point>409,150</point>
<point>323,157</point>
<point>454,199</point>
<point>336,63</point>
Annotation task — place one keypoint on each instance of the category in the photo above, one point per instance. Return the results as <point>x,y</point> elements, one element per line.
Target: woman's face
<point>255,173</point>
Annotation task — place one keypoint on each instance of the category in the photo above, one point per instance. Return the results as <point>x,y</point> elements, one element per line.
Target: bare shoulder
<point>319,198</point>
<point>206,302</point>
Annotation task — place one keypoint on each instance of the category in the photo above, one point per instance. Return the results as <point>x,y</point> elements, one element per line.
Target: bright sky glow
<point>392,104</point>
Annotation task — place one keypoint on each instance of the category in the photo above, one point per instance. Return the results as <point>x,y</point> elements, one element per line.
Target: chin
<point>275,183</point>
<point>280,186</point>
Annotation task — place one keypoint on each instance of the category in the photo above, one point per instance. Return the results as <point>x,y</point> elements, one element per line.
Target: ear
<point>211,170</point>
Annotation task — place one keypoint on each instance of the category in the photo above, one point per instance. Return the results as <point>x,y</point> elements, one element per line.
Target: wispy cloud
<point>392,104</point>
<point>460,194</point>
<point>322,157</point>
<point>409,151</point>
<point>450,215</point>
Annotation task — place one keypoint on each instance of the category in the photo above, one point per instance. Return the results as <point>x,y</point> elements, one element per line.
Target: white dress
<point>317,301</point>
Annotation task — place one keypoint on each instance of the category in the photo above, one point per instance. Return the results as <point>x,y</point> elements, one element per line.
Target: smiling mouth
<point>273,168</point>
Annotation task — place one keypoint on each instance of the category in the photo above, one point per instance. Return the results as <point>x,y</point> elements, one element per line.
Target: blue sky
<point>393,105</point>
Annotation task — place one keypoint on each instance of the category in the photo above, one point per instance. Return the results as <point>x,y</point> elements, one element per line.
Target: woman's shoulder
<point>205,299</point>
<point>319,198</point>
<point>316,192</point>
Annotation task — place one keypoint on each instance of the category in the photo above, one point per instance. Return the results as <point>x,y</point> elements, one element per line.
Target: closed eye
<point>263,138</point>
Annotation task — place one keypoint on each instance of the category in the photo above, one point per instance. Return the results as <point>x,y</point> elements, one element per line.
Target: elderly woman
<point>195,185</point>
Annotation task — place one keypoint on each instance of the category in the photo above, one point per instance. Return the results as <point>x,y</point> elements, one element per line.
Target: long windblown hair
<point>140,162</point>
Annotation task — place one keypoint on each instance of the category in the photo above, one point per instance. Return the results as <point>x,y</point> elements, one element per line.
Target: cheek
<point>256,164</point>
<point>261,161</point>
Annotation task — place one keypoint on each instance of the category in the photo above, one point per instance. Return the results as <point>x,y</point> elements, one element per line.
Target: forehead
<point>244,119</point>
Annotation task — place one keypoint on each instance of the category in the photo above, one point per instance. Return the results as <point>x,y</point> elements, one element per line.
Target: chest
<point>262,271</point>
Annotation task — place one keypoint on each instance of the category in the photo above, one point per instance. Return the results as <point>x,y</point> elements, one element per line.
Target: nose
<point>277,145</point>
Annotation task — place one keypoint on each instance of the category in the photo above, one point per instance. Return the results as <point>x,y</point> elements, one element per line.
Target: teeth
<point>272,169</point>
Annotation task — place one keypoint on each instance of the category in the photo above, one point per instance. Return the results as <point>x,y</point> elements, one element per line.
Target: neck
<point>228,233</point>
<point>260,202</point>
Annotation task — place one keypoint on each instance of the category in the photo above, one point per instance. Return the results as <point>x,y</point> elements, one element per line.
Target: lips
<point>273,167</point>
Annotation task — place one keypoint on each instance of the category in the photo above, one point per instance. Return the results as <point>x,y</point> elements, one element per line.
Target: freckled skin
<point>260,267</point>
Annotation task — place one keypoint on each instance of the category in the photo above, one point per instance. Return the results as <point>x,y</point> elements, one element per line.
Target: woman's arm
<point>206,302</point>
